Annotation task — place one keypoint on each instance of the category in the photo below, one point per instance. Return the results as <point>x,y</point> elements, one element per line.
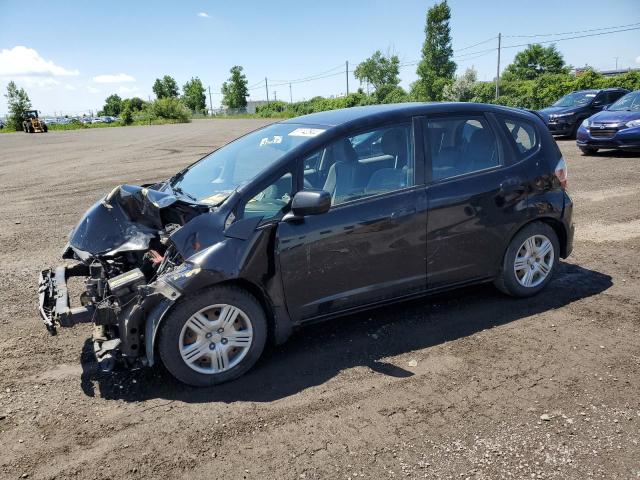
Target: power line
<point>475,44</point>
<point>573,38</point>
<point>570,33</point>
<point>464,57</point>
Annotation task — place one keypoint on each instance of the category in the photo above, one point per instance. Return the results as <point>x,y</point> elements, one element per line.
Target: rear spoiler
<point>536,113</point>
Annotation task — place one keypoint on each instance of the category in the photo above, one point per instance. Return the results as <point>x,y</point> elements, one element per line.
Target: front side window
<point>271,201</point>
<point>369,163</point>
<point>459,145</point>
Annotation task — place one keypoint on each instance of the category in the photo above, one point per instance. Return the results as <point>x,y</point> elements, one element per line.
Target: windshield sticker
<point>306,132</point>
<point>590,95</point>
<point>271,141</point>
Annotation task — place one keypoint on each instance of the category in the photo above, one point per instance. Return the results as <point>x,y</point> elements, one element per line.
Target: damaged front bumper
<point>54,298</point>
<point>125,322</point>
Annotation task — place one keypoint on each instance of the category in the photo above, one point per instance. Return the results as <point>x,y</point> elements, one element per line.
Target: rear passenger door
<point>476,196</point>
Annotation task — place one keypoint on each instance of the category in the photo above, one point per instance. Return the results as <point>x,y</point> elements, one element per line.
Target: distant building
<point>252,104</point>
<point>607,73</point>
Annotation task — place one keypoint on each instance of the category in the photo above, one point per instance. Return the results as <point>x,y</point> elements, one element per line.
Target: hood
<point>546,112</point>
<point>612,116</point>
<point>131,217</point>
<point>125,220</point>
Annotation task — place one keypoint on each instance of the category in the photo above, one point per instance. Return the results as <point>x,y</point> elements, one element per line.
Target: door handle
<point>402,213</point>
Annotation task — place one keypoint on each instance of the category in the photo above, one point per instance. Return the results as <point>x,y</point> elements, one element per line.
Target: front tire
<point>588,150</point>
<point>530,261</point>
<point>212,337</point>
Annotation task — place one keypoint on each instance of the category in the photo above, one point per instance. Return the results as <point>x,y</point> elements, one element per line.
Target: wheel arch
<point>555,224</point>
<point>278,321</point>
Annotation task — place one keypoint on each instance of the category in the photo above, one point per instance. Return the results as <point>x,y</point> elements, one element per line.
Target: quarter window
<point>523,134</point>
<point>460,145</point>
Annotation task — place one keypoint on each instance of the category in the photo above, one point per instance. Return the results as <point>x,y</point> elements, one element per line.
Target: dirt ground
<point>465,385</point>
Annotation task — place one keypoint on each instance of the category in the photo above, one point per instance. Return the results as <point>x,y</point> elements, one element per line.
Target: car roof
<point>333,118</point>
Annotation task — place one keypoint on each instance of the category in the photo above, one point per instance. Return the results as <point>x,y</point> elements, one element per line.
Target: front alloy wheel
<point>215,339</point>
<point>212,336</point>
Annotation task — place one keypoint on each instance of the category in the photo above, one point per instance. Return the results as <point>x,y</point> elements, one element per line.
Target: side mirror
<point>308,202</point>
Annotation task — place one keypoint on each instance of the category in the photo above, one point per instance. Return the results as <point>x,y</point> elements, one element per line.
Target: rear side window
<point>523,134</point>
<point>460,145</point>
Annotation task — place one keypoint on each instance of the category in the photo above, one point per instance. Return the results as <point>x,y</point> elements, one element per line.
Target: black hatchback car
<point>565,116</point>
<point>311,218</point>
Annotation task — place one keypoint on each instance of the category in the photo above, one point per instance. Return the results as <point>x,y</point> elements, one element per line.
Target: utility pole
<point>266,87</point>
<point>616,62</point>
<point>290,94</point>
<point>210,102</point>
<point>275,96</point>
<point>347,74</point>
<point>498,69</point>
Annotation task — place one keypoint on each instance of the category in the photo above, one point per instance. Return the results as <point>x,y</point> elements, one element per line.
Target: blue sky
<point>76,53</point>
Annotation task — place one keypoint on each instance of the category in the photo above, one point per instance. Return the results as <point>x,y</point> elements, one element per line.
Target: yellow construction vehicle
<point>32,124</point>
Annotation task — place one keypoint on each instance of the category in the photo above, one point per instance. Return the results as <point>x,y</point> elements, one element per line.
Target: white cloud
<point>638,59</point>
<point>93,89</point>
<point>203,15</point>
<point>23,61</point>
<point>70,87</point>
<point>117,78</point>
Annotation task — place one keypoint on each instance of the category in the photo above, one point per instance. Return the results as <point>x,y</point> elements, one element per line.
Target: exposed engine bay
<point>126,246</point>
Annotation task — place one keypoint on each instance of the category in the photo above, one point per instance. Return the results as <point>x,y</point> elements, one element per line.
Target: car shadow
<point>318,352</point>
<point>603,152</point>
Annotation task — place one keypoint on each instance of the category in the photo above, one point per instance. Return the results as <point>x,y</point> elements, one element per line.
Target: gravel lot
<point>465,385</point>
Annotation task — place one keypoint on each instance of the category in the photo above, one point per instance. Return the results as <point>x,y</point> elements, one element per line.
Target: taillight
<point>561,172</point>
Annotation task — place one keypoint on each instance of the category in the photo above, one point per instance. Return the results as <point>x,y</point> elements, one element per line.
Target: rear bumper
<point>53,298</point>
<point>569,227</point>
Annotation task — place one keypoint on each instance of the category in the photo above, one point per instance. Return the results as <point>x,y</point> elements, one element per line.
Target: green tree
<point>127,114</point>
<point>193,95</point>
<point>533,61</point>
<point>136,104</point>
<point>17,101</point>
<point>169,109</point>
<point>235,91</point>
<point>461,90</point>
<point>165,87</point>
<point>380,71</point>
<point>436,69</point>
<point>112,105</point>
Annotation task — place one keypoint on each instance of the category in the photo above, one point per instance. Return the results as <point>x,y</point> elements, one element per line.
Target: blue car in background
<point>616,127</point>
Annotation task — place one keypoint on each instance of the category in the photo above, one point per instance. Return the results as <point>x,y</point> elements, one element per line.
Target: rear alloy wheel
<point>213,337</point>
<point>530,261</point>
<point>588,150</point>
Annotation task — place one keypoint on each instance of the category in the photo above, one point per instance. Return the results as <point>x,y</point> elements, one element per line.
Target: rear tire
<point>588,150</point>
<point>530,261</point>
<point>202,344</point>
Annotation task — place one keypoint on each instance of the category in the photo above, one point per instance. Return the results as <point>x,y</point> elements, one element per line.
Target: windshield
<point>575,99</point>
<point>213,178</point>
<point>630,102</point>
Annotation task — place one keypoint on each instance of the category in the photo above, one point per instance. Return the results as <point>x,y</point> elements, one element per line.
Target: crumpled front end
<point>125,248</point>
